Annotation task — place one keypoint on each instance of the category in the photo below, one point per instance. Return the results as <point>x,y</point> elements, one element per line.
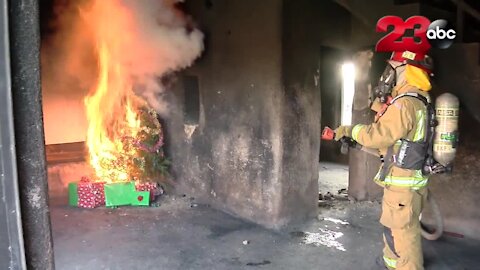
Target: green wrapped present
<point>73,194</point>
<point>119,194</point>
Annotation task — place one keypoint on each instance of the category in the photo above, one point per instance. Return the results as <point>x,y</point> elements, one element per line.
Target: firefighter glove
<point>343,131</point>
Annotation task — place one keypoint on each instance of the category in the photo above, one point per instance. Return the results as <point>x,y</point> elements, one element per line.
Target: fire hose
<point>346,143</point>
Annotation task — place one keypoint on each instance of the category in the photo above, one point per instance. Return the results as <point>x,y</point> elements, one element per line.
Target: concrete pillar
<point>254,152</point>
<point>29,135</point>
<point>363,166</point>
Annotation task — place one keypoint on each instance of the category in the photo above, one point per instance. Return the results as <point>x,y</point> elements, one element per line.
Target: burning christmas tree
<point>134,44</point>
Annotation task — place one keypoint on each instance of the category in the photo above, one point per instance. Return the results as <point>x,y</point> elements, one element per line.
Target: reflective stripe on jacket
<point>404,119</point>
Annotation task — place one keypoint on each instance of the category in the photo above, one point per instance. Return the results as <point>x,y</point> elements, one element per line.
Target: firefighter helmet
<point>421,61</point>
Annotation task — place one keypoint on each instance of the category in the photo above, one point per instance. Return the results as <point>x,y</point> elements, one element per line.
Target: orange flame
<point>112,107</point>
<point>111,119</point>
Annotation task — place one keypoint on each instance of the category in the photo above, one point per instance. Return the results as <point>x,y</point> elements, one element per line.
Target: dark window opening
<point>191,100</point>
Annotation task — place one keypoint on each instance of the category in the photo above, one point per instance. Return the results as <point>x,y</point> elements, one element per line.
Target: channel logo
<point>423,34</point>
<point>440,34</point>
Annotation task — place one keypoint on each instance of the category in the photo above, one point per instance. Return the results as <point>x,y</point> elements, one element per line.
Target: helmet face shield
<point>388,75</point>
<point>386,83</point>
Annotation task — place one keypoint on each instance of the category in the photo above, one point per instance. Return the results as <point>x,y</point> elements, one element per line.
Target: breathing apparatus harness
<point>414,155</point>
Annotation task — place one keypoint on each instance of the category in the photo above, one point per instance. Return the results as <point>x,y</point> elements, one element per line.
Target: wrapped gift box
<point>119,194</point>
<point>153,188</point>
<point>86,194</point>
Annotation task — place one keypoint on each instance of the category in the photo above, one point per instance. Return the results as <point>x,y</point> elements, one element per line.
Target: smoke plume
<point>147,39</point>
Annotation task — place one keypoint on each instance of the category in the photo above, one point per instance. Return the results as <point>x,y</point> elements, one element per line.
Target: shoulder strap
<point>430,128</point>
<point>414,95</point>
<point>392,100</point>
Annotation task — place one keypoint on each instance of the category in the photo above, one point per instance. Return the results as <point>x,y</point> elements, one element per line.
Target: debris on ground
<point>325,237</point>
<point>336,221</point>
<point>327,199</point>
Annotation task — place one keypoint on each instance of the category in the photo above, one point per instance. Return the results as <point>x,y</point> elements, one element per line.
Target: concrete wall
<point>306,26</point>
<point>365,17</point>
<point>61,125</point>
<point>326,28</point>
<point>457,70</point>
<point>64,114</point>
<point>253,151</point>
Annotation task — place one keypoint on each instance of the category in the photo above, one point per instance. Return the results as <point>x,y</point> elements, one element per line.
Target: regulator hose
<point>433,234</point>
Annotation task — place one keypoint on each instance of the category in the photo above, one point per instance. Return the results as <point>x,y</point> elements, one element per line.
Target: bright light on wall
<point>348,90</point>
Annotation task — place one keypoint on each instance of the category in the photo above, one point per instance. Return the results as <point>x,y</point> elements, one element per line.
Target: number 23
<point>390,43</point>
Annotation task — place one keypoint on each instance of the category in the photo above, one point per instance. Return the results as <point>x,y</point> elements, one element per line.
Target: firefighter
<point>397,121</point>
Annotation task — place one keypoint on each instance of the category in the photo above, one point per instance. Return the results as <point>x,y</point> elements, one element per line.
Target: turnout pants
<point>401,208</point>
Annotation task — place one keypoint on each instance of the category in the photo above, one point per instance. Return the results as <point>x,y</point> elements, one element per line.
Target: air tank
<point>446,132</point>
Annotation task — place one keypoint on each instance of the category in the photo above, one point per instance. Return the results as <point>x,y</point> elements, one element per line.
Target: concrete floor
<point>182,235</point>
<point>178,236</point>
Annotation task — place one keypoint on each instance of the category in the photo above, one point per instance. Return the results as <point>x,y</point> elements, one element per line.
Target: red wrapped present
<point>90,194</point>
<point>154,189</point>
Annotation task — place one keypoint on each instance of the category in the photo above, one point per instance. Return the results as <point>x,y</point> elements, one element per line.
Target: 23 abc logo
<point>438,34</point>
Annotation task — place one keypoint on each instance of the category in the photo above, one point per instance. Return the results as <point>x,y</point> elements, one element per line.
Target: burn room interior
<point>233,96</point>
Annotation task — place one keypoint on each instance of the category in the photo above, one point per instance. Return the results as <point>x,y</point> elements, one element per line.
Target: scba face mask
<point>387,82</point>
